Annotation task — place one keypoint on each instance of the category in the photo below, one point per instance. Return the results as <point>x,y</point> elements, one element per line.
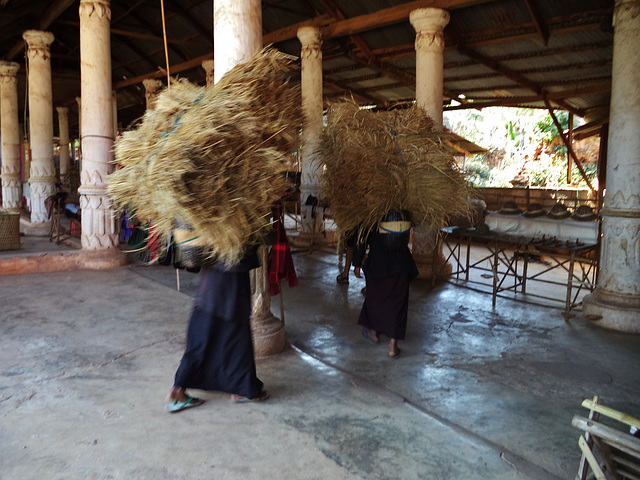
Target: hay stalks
<point>376,162</point>
<point>213,157</point>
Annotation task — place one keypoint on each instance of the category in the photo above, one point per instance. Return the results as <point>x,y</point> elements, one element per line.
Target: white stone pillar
<point>312,109</point>
<point>99,220</point>
<point>151,89</point>
<point>208,66</point>
<point>429,24</point>
<point>10,134</point>
<point>237,33</point>
<point>237,26</point>
<point>42,176</point>
<point>615,303</point>
<point>65,161</point>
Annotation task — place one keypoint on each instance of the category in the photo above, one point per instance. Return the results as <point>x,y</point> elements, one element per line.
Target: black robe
<point>388,273</point>
<point>219,352</point>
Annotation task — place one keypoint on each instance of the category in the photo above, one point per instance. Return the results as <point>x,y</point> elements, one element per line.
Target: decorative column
<point>208,66</point>
<point>237,33</point>
<point>237,27</point>
<point>429,24</point>
<point>615,303</point>
<point>65,161</point>
<point>311,89</point>
<point>42,176</point>
<point>151,89</point>
<point>99,220</point>
<point>10,134</point>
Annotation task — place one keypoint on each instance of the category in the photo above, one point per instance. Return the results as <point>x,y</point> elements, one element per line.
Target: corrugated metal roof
<point>511,52</point>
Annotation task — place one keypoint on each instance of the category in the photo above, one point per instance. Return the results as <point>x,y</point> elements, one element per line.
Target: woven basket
<point>10,231</point>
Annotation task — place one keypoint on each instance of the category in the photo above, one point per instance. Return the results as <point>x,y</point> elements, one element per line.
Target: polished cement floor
<point>86,358</point>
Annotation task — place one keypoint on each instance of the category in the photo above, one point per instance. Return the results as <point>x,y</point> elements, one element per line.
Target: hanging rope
<point>166,49</point>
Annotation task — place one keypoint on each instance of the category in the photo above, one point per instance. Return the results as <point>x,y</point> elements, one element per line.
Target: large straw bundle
<point>213,157</point>
<point>376,162</point>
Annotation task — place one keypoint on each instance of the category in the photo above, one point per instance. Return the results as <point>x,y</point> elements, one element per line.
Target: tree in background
<point>524,145</point>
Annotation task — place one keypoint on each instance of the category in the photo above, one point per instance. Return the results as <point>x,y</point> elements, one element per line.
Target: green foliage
<point>477,170</point>
<point>528,141</point>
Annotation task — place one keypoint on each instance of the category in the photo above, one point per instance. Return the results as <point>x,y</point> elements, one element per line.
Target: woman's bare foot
<point>394,350</point>
<point>177,394</point>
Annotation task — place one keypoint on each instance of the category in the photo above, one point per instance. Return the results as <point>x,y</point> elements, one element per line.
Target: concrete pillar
<point>615,303</point>
<point>151,89</point>
<point>429,24</point>
<point>42,176</point>
<point>208,66</point>
<point>10,135</point>
<point>99,220</point>
<point>237,26</point>
<point>237,33</point>
<point>312,109</point>
<point>65,161</point>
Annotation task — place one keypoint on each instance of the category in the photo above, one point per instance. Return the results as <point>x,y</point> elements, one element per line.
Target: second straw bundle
<point>376,162</point>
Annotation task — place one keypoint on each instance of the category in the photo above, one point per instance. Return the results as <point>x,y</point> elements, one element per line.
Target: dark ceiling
<point>530,53</point>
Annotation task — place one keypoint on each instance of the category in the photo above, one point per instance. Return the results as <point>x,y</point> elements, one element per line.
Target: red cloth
<point>280,259</point>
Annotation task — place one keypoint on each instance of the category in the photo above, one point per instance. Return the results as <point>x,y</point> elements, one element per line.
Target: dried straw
<point>213,157</point>
<point>376,162</point>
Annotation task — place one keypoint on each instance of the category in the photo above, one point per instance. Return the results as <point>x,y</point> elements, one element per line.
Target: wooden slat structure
<point>609,450</point>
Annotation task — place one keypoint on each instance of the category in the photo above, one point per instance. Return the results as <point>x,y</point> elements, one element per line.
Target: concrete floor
<point>86,358</point>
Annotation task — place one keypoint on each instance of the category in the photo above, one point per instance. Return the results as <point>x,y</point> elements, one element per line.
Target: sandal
<point>178,406</point>
<point>366,336</point>
<point>395,355</point>
<point>342,280</point>
<point>235,398</point>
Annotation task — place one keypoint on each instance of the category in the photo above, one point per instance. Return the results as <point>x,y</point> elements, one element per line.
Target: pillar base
<point>426,267</point>
<point>268,335</point>
<point>31,229</point>
<point>327,238</point>
<point>612,311</point>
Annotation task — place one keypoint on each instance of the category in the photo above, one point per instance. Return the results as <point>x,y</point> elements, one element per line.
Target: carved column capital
<point>311,41</point>
<point>623,10</point>
<point>429,24</point>
<point>208,66</point>
<point>151,88</point>
<point>100,9</point>
<point>8,72</point>
<point>38,43</point>
<point>63,112</point>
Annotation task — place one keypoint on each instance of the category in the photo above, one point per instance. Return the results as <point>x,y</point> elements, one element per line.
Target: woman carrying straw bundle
<point>389,267</point>
<point>211,158</point>
<point>219,352</point>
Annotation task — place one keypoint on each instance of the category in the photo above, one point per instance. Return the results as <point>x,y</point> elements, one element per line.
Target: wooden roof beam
<point>552,96</point>
<point>538,21</point>
<point>567,143</point>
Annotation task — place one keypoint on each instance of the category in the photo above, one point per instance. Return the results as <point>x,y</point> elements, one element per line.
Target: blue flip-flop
<point>240,399</point>
<point>365,335</point>
<point>178,406</point>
